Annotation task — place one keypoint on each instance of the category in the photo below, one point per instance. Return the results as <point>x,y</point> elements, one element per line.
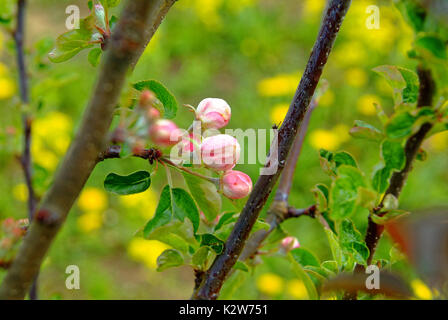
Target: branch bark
<point>216,275</point>
<point>138,22</point>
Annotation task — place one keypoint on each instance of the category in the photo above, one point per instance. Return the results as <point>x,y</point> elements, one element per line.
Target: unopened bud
<point>236,184</point>
<point>220,152</point>
<point>290,243</point>
<point>213,113</point>
<point>164,133</point>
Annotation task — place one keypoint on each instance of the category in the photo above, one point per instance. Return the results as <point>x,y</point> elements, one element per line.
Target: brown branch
<point>25,158</point>
<point>374,231</point>
<point>216,275</point>
<point>138,22</point>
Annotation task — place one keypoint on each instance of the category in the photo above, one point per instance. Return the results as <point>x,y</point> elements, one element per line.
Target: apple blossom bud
<point>100,16</point>
<point>187,150</point>
<point>290,243</point>
<point>220,152</point>
<point>236,184</point>
<point>213,113</point>
<point>164,133</point>
<point>146,98</point>
<point>153,114</point>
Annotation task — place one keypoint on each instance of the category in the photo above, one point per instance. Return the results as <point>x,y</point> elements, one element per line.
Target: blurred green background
<point>250,53</point>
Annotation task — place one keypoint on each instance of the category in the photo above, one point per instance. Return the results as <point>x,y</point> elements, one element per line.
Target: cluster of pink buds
<point>218,152</point>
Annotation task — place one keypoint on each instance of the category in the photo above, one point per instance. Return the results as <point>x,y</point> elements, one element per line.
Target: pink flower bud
<point>213,113</point>
<point>220,152</point>
<point>290,243</point>
<point>187,150</point>
<point>236,184</point>
<point>153,114</point>
<point>146,98</point>
<point>164,133</point>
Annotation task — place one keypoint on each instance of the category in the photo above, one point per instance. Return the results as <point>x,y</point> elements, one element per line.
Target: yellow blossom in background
<point>144,202</point>
<point>326,99</point>
<point>365,104</point>
<point>278,112</point>
<point>297,289</point>
<point>313,7</point>
<point>7,88</point>
<point>280,85</point>
<point>208,12</point>
<point>350,53</point>
<point>90,221</point>
<point>438,142</point>
<point>342,131</point>
<point>146,251</point>
<point>20,192</point>
<point>52,124</point>
<point>356,77</point>
<point>46,159</point>
<point>270,284</point>
<point>92,199</point>
<point>421,290</point>
<point>324,139</point>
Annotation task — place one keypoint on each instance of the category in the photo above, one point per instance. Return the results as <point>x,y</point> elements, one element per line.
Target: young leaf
<point>363,130</point>
<point>94,56</point>
<point>240,265</point>
<point>352,242</point>
<point>226,218</point>
<point>134,183</point>
<point>431,44</point>
<point>74,41</point>
<point>162,93</point>
<point>168,259</point>
<point>213,242</point>
<point>300,272</point>
<point>389,216</point>
<point>205,194</point>
<point>174,204</point>
<point>344,192</point>
<point>304,257</point>
<point>380,180</point>
<point>200,257</point>
<point>336,250</point>
<point>404,83</point>
<point>413,12</point>
<point>177,234</point>
<point>400,125</point>
<point>343,157</point>
<point>393,154</point>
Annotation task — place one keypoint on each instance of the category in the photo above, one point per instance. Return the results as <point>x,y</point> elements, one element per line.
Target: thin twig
<point>25,158</point>
<point>138,22</point>
<point>216,275</point>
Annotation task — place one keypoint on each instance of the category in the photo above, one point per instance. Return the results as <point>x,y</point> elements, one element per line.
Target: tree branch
<point>374,231</point>
<point>137,24</point>
<point>216,275</point>
<point>25,159</point>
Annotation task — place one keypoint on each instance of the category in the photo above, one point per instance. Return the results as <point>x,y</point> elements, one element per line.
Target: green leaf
<point>240,265</point>
<point>162,93</point>
<point>74,41</point>
<point>168,259</point>
<point>364,130</point>
<point>413,13</point>
<point>431,44</point>
<point>94,56</point>
<point>400,125</point>
<point>344,192</point>
<point>226,218</point>
<point>366,198</point>
<point>389,216</point>
<point>134,183</point>
<point>300,272</point>
<point>404,83</point>
<point>213,242</point>
<point>174,204</point>
<point>336,250</point>
<point>177,234</point>
<point>200,257</point>
<point>320,193</point>
<point>393,154</point>
<point>110,3</point>
<point>330,266</point>
<point>205,194</point>
<point>380,180</point>
<point>304,257</point>
<point>346,158</point>
<point>352,242</point>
